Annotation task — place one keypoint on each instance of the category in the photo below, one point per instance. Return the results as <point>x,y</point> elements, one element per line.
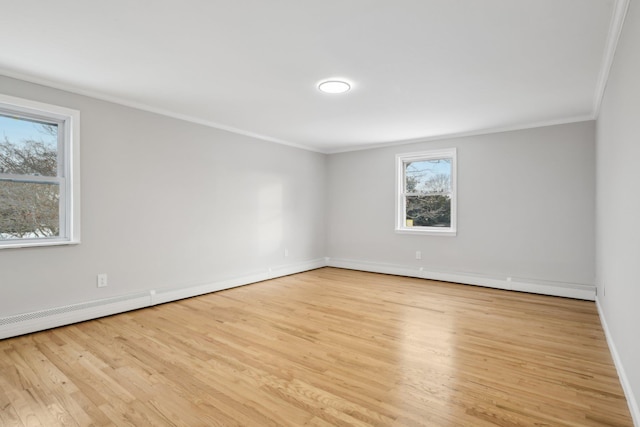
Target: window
<point>426,192</point>
<point>39,174</point>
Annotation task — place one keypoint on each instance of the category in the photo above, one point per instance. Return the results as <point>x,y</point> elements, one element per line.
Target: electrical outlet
<point>102,280</point>
<point>418,255</point>
<point>286,253</point>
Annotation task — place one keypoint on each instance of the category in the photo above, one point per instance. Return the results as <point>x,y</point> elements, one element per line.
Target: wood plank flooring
<point>328,347</point>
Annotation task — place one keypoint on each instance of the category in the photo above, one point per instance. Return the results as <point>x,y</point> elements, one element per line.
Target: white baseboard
<point>624,380</point>
<point>173,294</point>
<point>26,323</point>
<point>561,289</point>
<point>20,324</point>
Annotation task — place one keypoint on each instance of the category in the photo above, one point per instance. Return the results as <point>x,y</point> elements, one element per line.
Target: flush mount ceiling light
<point>334,86</point>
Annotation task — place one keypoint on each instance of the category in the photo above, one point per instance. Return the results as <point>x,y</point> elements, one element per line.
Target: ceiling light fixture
<point>334,86</point>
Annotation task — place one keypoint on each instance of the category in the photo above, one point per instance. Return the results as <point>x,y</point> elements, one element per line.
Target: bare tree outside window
<point>29,208</point>
<point>428,192</point>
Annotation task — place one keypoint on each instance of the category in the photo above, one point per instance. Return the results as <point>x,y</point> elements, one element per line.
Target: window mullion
<point>33,179</point>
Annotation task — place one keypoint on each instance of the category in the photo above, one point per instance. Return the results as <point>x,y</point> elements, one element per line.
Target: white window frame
<point>401,159</point>
<point>68,177</point>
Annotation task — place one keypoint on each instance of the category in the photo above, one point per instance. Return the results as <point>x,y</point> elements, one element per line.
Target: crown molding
<point>145,107</point>
<point>615,29</point>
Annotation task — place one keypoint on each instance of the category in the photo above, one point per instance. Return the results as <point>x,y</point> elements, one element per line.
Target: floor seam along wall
<point>622,375</point>
<point>25,323</point>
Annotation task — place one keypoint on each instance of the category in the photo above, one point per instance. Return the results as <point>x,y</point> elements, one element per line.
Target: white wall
<point>525,207</point>
<point>168,204</point>
<point>618,204</point>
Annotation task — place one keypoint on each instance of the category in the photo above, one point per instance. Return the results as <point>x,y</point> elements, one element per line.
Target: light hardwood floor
<point>325,347</point>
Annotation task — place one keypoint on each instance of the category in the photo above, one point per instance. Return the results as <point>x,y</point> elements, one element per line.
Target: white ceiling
<point>419,68</point>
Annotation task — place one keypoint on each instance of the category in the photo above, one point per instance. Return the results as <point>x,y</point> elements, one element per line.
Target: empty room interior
<point>349,213</point>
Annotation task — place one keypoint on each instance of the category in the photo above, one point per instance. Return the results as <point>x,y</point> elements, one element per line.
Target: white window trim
<point>70,179</point>
<point>401,227</point>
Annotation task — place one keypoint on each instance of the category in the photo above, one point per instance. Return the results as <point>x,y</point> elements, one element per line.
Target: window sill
<point>427,231</point>
<point>36,243</point>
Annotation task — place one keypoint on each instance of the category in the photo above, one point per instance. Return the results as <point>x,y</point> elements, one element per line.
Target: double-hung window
<point>426,192</point>
<point>39,174</point>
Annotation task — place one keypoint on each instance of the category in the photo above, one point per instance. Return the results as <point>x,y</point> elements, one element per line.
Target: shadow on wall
<point>270,214</point>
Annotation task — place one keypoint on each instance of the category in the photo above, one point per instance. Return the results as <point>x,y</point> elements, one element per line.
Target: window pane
<point>29,210</point>
<point>428,211</point>
<point>431,176</point>
<point>28,147</point>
